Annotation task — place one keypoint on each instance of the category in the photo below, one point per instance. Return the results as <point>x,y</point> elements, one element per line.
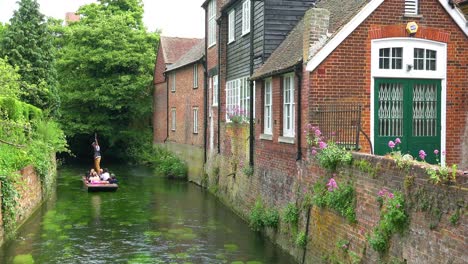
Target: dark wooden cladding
<point>273,20</point>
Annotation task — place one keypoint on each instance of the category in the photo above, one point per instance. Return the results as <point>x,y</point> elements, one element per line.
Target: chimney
<point>316,22</point>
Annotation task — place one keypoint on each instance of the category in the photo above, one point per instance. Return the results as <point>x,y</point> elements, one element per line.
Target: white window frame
<point>288,105</point>
<point>411,7</point>
<point>195,75</point>
<point>173,82</point>
<point>238,96</point>
<point>173,118</point>
<point>268,108</point>
<point>246,17</point>
<point>195,120</point>
<point>409,44</point>
<point>211,23</point>
<point>215,90</point>
<point>232,26</point>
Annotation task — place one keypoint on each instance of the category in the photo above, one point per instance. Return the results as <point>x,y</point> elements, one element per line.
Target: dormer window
<point>411,7</point>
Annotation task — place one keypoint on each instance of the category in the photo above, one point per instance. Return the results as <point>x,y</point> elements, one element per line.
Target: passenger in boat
<point>105,175</point>
<point>94,178</point>
<point>97,155</point>
<point>113,179</point>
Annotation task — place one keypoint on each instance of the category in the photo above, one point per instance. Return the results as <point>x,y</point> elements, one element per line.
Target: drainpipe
<point>298,72</point>
<point>167,107</point>
<point>251,101</point>
<point>219,86</point>
<point>205,105</point>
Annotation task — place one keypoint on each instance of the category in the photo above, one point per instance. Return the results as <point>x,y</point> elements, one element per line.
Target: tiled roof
<point>193,55</point>
<point>290,52</point>
<point>173,48</point>
<point>287,55</point>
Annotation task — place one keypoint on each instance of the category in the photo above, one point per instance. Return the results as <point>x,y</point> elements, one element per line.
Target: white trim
<point>318,58</point>
<point>214,85</point>
<point>246,6</point>
<point>266,136</point>
<point>408,45</point>
<point>457,16</point>
<point>291,105</point>
<point>268,130</point>
<point>342,34</point>
<point>287,140</point>
<point>232,26</point>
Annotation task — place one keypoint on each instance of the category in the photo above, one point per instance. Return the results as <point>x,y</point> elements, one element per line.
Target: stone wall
<point>192,155</point>
<point>432,235</point>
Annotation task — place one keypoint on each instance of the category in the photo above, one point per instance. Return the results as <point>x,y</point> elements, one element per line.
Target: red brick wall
<point>184,99</point>
<point>160,113</point>
<point>345,75</point>
<point>160,67</point>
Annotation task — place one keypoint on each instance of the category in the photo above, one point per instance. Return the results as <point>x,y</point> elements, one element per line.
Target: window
<point>267,108</point>
<point>288,105</point>
<point>425,59</point>
<point>215,90</point>
<point>232,26</point>
<point>390,58</point>
<point>212,23</point>
<point>195,120</point>
<point>173,80</point>
<point>173,119</point>
<point>238,97</point>
<point>411,7</point>
<point>246,17</point>
<point>195,75</point>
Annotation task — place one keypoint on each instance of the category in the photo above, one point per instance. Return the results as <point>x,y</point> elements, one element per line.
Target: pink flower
<point>397,141</point>
<point>391,144</point>
<point>422,154</point>
<point>390,195</point>
<point>309,126</point>
<point>322,145</point>
<point>333,133</point>
<point>332,185</point>
<point>318,133</point>
<point>443,152</point>
<point>314,152</point>
<point>436,152</point>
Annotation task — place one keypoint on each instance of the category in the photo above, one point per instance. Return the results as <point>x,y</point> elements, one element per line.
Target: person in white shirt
<point>105,175</point>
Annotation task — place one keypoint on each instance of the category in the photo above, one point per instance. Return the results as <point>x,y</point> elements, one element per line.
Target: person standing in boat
<point>97,154</point>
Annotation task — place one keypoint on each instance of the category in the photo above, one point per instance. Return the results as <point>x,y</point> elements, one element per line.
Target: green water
<point>148,220</point>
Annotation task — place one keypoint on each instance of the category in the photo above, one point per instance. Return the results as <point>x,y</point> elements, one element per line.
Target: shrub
<point>271,218</point>
<point>291,214</point>
<point>301,240</point>
<point>342,198</point>
<point>263,217</point>
<point>171,166</point>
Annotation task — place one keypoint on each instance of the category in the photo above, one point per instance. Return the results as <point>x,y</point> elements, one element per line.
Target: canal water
<point>148,220</point>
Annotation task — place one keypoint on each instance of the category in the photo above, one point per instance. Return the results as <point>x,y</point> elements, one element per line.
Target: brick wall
<point>184,100</point>
<point>345,75</point>
<point>429,238</point>
<point>160,113</point>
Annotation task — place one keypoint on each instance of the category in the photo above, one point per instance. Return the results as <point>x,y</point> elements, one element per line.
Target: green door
<point>408,109</point>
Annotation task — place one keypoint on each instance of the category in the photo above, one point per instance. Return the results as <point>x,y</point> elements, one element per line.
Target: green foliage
<point>248,170</point>
<point>341,199</point>
<point>168,164</point>
<point>27,43</point>
<point>263,217</point>
<point>393,218</point>
<point>455,217</point>
<point>9,80</point>
<point>291,214</point>
<point>301,240</point>
<point>343,244</point>
<point>105,67</point>
<point>332,156</point>
<point>441,174</point>
<point>366,167</point>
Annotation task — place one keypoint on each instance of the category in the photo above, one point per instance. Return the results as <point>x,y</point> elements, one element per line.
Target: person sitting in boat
<point>105,175</point>
<point>94,178</point>
<point>112,179</point>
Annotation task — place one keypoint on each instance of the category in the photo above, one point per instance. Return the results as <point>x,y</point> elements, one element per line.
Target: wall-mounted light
<point>409,67</point>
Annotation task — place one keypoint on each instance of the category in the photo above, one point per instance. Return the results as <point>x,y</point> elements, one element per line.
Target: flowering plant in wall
<point>393,218</point>
<point>440,174</point>
<point>237,115</point>
<point>327,152</point>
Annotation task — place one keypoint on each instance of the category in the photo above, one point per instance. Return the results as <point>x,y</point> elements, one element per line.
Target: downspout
<point>219,86</point>
<point>251,101</point>
<point>167,106</point>
<point>298,72</point>
<point>205,105</point>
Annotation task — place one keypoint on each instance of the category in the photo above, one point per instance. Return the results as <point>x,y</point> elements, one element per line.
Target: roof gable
<point>193,55</point>
<point>174,48</point>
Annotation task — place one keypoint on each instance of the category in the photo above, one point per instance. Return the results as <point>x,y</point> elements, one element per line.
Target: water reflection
<point>148,220</point>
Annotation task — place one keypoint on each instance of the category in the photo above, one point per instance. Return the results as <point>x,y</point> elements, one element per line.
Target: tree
<point>105,71</point>
<point>27,43</point>
<point>9,80</point>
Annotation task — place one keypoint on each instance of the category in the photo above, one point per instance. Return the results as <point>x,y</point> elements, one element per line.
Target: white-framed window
<point>173,82</point>
<point>288,105</point>
<point>195,75</point>
<point>238,97</point>
<point>268,102</point>
<point>425,59</point>
<point>232,26</point>
<point>246,17</point>
<point>173,119</point>
<point>215,90</point>
<point>195,120</point>
<point>211,23</point>
<point>418,59</point>
<point>411,7</point>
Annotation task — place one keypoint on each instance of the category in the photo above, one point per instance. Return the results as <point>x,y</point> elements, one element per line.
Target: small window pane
<point>431,60</point>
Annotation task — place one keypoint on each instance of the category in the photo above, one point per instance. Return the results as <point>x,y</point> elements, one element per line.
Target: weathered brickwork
<point>160,113</point>
<point>184,100</point>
